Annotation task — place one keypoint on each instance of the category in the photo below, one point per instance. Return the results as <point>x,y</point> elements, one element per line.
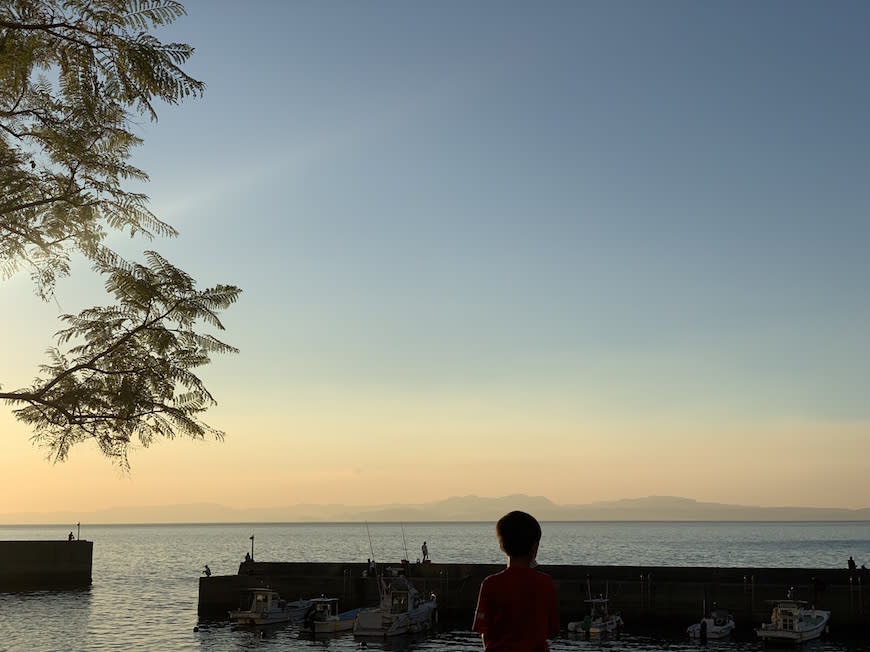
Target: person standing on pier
<point>425,550</point>
<point>517,607</point>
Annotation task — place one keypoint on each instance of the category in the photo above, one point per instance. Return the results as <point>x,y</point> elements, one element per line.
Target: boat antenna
<point>404,543</point>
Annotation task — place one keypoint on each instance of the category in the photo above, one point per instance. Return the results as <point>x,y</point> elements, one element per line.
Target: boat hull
<point>377,622</point>
<point>789,636</point>
<point>332,626</point>
<point>266,608</point>
<point>596,627</point>
<point>250,618</point>
<point>713,631</point>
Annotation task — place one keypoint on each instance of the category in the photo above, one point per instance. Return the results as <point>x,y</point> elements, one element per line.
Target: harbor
<point>647,597</point>
<point>149,588</point>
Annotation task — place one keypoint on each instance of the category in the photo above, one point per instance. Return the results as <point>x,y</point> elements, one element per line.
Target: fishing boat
<point>718,624</point>
<point>323,617</point>
<point>599,621</point>
<point>265,607</point>
<point>402,609</point>
<point>793,621</point>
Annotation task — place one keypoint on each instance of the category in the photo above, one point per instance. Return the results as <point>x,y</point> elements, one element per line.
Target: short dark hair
<point>517,533</point>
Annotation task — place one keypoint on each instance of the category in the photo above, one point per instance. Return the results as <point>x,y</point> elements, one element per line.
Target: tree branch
<point>105,352</point>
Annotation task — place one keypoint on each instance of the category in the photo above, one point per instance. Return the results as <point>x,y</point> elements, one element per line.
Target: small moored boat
<point>323,617</point>
<point>719,623</point>
<point>402,610</point>
<point>793,621</point>
<point>264,607</point>
<point>599,621</point>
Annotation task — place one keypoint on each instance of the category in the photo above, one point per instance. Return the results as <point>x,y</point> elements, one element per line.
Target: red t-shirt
<point>517,611</point>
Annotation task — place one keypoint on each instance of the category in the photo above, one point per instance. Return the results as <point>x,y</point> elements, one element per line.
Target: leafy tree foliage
<point>74,77</point>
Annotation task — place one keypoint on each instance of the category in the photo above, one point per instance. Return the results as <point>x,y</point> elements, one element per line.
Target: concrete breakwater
<point>26,565</point>
<point>647,597</point>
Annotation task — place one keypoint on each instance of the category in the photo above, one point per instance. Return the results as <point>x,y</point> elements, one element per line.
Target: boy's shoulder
<point>524,575</point>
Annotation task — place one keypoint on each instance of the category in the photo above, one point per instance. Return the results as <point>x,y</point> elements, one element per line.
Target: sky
<point>583,250</point>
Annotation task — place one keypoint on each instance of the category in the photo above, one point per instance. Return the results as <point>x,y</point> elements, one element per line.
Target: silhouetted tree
<point>74,75</point>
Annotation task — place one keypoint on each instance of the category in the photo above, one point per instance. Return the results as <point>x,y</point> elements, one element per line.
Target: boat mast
<point>377,569</point>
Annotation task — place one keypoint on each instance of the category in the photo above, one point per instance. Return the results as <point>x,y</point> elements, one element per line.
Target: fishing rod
<point>371,545</point>
<point>404,543</point>
<point>377,570</point>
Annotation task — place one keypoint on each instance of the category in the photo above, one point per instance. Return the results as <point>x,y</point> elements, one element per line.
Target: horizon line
<point>435,522</point>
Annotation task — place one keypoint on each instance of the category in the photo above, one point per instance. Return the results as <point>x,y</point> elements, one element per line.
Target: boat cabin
<point>259,600</point>
<point>323,608</point>
<point>787,614</point>
<point>399,602</point>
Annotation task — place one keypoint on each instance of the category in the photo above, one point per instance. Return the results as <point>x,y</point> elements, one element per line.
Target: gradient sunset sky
<point>585,250</point>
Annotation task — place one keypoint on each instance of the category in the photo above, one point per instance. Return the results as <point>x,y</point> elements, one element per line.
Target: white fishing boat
<point>718,624</point>
<point>323,617</point>
<point>793,621</point>
<point>265,607</point>
<point>402,610</point>
<point>599,621</point>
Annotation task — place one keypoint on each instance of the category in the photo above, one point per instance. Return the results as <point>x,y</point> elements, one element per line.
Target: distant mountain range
<point>459,508</point>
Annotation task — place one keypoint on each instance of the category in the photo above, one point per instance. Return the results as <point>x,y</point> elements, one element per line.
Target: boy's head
<point>518,534</point>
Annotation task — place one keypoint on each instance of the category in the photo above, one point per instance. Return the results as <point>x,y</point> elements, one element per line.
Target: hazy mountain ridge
<point>456,508</point>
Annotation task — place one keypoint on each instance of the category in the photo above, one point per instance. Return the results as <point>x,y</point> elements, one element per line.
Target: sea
<point>145,577</point>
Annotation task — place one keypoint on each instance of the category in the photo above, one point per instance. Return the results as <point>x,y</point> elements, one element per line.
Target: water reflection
<point>40,609</point>
<point>216,636</point>
<point>397,643</point>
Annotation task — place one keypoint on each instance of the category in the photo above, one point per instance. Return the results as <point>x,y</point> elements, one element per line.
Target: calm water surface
<point>145,578</point>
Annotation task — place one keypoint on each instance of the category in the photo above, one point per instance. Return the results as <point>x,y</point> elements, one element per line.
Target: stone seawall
<point>45,564</point>
<point>646,596</point>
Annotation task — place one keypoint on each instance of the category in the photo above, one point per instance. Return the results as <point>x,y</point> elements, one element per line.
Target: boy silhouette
<point>516,608</point>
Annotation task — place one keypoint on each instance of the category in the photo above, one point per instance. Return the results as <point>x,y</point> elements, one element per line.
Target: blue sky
<point>613,211</point>
<point>448,193</point>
